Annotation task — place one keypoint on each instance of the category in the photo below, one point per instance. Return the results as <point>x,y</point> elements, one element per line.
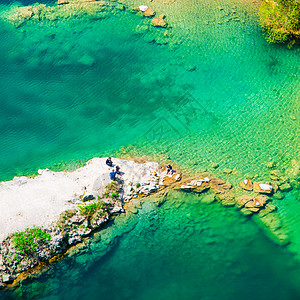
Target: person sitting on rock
<point>113,175</point>
<point>170,170</point>
<point>109,162</point>
<point>118,170</point>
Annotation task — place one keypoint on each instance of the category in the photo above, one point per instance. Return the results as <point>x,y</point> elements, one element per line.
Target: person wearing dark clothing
<point>118,170</point>
<point>169,169</point>
<point>109,162</point>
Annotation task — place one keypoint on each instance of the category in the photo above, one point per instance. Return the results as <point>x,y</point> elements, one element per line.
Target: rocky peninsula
<point>43,216</point>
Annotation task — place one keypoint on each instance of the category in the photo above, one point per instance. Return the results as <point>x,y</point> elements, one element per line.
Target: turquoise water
<point>78,88</point>
<point>183,249</point>
<point>74,89</point>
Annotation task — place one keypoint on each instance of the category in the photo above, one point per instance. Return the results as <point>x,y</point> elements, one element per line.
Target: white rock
<point>246,181</point>
<point>265,187</point>
<point>187,187</point>
<point>143,7</point>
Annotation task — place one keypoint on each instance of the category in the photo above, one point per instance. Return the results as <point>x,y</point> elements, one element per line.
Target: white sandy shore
<point>27,202</point>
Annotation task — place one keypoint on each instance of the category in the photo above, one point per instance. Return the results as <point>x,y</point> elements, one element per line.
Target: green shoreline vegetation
<point>281,20</point>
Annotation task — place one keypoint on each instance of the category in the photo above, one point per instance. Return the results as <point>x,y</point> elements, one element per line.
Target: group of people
<point>114,171</point>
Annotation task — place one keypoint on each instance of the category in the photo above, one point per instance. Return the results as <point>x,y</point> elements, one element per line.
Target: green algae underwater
<point>209,92</point>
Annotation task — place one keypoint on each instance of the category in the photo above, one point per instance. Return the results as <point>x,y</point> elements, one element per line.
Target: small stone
<point>6,278</point>
<point>208,198</point>
<point>157,22</point>
<point>162,16</point>
<point>246,185</point>
<point>214,165</point>
<point>149,12</point>
<point>220,8</point>
<point>60,2</point>
<point>177,177</point>
<point>275,174</point>
<point>142,8</point>
<point>270,165</point>
<point>246,211</point>
<point>260,200</point>
<point>187,187</point>
<point>278,195</point>
<point>227,171</point>
<point>241,201</point>
<point>167,33</point>
<point>286,187</point>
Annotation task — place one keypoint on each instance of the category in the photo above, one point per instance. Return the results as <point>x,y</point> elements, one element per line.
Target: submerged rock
<point>285,187</point>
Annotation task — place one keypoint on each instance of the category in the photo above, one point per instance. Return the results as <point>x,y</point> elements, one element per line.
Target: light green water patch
<point>181,249</point>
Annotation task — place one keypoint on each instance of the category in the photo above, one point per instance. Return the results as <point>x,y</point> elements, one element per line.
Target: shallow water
<point>183,249</point>
<point>75,89</point>
<point>79,88</point>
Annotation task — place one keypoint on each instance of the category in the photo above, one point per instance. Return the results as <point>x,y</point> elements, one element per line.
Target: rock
<point>218,185</point>
<point>149,12</point>
<point>60,2</point>
<point>260,200</point>
<point>214,165</point>
<point>272,221</point>
<point>187,187</point>
<point>177,177</point>
<point>143,8</point>
<point>226,198</point>
<point>270,165</point>
<point>220,8</point>
<point>247,185</point>
<point>25,12</point>
<point>294,171</point>
<point>74,240</point>
<point>227,171</point>
<point>278,195</point>
<point>268,209</point>
<point>86,59</point>
<point>246,211</point>
<point>241,201</point>
<point>76,219</point>
<point>7,278</point>
<point>162,16</point>
<point>261,187</point>
<point>88,198</point>
<point>275,174</point>
<point>285,187</point>
<point>157,22</point>
<point>208,198</point>
<point>167,33</point>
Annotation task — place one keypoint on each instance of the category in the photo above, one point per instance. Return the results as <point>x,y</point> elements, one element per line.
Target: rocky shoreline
<point>98,199</point>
